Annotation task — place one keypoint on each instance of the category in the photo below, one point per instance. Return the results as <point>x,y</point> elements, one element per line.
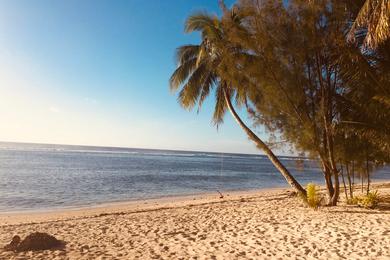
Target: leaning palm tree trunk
<point>261,145</point>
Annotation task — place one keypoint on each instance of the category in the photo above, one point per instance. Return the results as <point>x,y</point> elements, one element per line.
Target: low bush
<point>314,198</point>
<point>353,201</point>
<point>369,201</point>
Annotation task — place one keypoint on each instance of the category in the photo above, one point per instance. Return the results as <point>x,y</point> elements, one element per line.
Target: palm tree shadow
<point>376,212</point>
<point>382,208</point>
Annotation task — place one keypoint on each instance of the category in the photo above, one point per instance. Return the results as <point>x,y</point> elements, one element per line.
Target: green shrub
<point>369,201</point>
<point>353,201</point>
<point>313,199</point>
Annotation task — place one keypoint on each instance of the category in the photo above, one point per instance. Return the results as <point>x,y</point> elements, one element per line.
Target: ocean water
<point>41,176</point>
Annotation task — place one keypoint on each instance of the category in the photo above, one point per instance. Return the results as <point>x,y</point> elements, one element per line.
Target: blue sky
<point>96,73</point>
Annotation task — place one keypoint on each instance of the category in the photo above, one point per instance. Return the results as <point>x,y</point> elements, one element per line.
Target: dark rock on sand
<point>33,242</point>
<point>14,244</point>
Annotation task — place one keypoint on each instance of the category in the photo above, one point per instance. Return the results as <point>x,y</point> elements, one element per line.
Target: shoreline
<point>134,206</point>
<point>130,206</point>
<point>139,201</point>
<point>161,199</point>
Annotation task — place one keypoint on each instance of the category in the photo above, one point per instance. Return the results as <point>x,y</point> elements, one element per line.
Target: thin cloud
<point>90,100</point>
<point>54,109</point>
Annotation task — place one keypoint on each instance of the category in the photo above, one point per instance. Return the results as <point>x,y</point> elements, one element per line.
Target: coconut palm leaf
<point>192,89</point>
<point>220,105</point>
<point>375,16</point>
<point>186,52</point>
<point>207,24</point>
<point>181,74</point>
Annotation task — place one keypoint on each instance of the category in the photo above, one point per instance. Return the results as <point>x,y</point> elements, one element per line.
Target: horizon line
<point>126,147</point>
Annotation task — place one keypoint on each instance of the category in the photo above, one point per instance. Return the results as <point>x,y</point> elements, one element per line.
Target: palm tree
<point>197,75</point>
<point>375,15</point>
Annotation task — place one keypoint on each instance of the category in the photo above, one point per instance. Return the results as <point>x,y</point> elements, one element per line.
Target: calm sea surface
<point>38,177</point>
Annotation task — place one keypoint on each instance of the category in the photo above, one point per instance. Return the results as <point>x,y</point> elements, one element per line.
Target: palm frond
<point>375,15</point>
<point>190,93</point>
<point>186,52</point>
<point>220,104</point>
<point>205,23</point>
<point>181,74</point>
<point>208,84</point>
<point>384,100</point>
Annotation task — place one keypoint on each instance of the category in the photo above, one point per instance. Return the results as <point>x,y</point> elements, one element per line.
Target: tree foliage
<point>199,71</point>
<point>291,65</point>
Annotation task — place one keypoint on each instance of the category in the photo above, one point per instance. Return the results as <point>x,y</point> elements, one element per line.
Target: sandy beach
<point>242,225</point>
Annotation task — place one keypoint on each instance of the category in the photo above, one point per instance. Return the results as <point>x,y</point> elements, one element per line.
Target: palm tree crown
<point>196,73</point>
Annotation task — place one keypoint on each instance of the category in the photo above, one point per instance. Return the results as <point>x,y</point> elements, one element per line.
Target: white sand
<point>254,225</point>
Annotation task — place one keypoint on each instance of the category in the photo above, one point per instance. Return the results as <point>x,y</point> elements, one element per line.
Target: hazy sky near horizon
<point>96,73</point>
